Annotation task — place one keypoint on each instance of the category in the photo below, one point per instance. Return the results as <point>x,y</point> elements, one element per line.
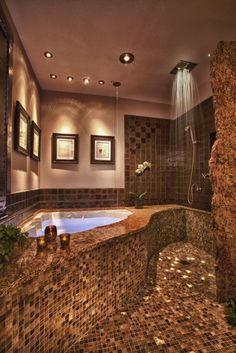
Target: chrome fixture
<point>189,128</point>
<point>192,187</point>
<point>183,64</point>
<point>205,175</point>
<point>116,85</point>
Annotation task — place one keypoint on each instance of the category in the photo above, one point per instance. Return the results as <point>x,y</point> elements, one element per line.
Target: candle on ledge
<point>41,243</point>
<point>50,233</point>
<point>65,240</point>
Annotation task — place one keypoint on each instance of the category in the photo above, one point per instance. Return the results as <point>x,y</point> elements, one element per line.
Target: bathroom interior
<point>117,176</point>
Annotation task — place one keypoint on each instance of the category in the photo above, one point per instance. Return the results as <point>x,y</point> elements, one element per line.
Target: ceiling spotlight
<point>126,58</point>
<point>70,78</point>
<point>53,76</point>
<point>209,55</point>
<point>101,82</point>
<point>47,54</point>
<point>86,80</point>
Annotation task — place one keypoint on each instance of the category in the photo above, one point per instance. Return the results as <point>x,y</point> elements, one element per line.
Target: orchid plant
<point>141,169</point>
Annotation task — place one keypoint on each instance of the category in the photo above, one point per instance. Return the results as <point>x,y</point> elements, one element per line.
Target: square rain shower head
<point>182,64</point>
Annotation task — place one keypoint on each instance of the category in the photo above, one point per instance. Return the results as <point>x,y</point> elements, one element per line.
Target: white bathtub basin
<point>73,222</point>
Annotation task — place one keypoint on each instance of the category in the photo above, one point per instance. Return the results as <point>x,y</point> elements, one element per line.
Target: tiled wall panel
<point>168,147</point>
<point>21,205</point>
<point>81,198</point>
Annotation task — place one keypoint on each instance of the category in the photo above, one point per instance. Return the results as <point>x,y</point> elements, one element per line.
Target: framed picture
<point>65,148</point>
<point>102,149</point>
<point>21,130</point>
<point>35,141</point>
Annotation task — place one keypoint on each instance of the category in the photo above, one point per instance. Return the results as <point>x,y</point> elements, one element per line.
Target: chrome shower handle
<point>205,175</point>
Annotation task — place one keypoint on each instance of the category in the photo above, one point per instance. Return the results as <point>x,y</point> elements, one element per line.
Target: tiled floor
<point>175,313</point>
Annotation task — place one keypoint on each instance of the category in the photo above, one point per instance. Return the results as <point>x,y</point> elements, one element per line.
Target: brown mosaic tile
<point>176,312</point>
<point>49,301</point>
<point>164,143</point>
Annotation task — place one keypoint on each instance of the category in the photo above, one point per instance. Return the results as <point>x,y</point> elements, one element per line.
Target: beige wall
<point>86,115</point>
<point>24,172</point>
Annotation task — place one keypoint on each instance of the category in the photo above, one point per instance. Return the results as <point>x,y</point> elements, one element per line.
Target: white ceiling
<point>87,37</point>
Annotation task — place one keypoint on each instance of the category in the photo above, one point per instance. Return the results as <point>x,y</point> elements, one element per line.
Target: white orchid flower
<point>142,167</point>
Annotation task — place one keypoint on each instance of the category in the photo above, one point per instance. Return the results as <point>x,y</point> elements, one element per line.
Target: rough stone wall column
<point>223,167</point>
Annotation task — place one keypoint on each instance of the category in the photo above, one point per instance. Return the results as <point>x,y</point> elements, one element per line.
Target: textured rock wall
<point>223,167</point>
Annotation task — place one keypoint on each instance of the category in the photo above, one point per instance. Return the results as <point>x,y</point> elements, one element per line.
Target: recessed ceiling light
<point>48,55</point>
<point>53,76</point>
<point>209,55</point>
<point>70,78</point>
<point>86,80</point>
<point>101,82</point>
<point>116,83</point>
<point>126,58</point>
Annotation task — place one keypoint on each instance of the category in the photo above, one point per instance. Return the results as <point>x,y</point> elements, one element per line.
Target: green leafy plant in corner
<point>10,238</point>
<point>230,309</point>
<point>141,196</point>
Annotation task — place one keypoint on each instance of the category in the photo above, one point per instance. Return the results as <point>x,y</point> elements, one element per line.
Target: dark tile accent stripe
<point>79,198</point>
<point>20,205</point>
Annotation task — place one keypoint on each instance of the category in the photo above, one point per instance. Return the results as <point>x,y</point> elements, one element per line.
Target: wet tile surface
<point>176,312</point>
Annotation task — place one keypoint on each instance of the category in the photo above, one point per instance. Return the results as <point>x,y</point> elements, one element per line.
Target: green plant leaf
<point>11,236</point>
<point>133,195</point>
<point>142,196</point>
<point>230,308</point>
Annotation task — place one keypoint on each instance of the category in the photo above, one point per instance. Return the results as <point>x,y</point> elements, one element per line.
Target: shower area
<point>192,134</point>
<point>178,148</point>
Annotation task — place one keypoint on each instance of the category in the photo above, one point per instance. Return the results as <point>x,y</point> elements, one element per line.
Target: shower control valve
<point>198,188</point>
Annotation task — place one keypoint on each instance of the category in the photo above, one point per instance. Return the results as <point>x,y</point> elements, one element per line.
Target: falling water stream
<point>184,98</point>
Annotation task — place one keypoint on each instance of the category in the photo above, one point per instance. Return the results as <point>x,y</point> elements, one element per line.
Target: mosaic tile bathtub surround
<point>175,313</point>
<point>49,302</point>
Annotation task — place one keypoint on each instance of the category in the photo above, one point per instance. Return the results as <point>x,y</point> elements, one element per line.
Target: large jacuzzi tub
<point>73,222</point>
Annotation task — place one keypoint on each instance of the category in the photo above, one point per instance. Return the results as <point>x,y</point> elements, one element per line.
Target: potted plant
<point>140,197</point>
<point>230,311</point>
<point>11,240</point>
